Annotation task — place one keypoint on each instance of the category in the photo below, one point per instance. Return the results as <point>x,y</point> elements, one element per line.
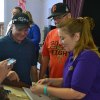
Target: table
<point>16,93</point>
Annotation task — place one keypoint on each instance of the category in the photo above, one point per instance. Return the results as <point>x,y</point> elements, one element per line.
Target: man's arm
<point>34,75</point>
<point>44,65</point>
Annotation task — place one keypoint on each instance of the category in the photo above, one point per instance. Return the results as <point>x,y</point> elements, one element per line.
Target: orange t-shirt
<point>56,53</point>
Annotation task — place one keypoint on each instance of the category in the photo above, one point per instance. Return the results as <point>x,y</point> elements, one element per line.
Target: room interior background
<point>87,8</point>
<point>40,10</point>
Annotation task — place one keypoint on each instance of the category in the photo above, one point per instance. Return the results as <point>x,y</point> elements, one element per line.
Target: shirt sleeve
<point>85,72</point>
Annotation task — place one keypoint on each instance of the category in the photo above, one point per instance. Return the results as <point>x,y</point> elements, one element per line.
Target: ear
<point>77,36</point>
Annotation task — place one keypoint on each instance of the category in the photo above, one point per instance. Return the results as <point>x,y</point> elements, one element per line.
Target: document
<point>34,96</point>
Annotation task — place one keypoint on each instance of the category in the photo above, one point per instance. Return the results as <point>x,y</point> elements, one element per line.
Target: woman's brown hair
<point>84,26</point>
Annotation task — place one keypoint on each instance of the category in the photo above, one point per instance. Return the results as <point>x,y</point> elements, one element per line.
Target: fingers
<point>10,67</point>
<point>17,78</point>
<point>31,88</point>
<point>12,75</point>
<point>42,81</point>
<point>39,82</point>
<point>37,89</point>
<point>5,65</point>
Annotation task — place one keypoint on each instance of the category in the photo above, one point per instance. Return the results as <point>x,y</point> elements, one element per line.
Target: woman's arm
<point>63,93</point>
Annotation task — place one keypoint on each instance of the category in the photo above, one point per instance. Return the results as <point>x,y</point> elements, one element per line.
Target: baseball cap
<point>20,20</point>
<point>58,9</point>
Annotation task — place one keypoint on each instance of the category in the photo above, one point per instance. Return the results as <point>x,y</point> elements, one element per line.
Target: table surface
<point>16,93</point>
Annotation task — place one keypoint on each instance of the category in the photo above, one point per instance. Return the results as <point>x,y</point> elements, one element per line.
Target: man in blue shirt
<point>17,46</point>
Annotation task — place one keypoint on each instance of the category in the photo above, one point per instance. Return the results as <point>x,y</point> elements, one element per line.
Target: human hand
<point>4,69</point>
<point>46,81</point>
<point>43,81</point>
<point>57,82</point>
<point>37,89</point>
<point>13,76</point>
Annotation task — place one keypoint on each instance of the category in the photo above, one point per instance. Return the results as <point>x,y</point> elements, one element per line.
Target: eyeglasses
<point>59,17</point>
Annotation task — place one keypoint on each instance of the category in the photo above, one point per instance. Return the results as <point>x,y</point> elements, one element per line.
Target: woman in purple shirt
<point>81,76</point>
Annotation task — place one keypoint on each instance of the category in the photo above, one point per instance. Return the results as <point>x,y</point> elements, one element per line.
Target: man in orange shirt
<point>53,53</point>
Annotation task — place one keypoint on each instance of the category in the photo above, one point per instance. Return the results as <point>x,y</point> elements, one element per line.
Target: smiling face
<point>68,41</point>
<point>19,34</point>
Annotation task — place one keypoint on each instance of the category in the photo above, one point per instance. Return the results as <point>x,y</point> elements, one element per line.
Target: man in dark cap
<point>53,53</point>
<point>58,10</point>
<point>16,45</point>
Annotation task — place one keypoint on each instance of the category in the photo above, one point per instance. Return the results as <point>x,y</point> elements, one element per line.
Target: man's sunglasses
<point>59,17</point>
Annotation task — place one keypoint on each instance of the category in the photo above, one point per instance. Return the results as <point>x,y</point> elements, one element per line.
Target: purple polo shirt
<point>83,74</point>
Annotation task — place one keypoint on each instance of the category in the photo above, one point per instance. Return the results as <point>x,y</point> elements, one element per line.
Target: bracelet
<point>45,90</point>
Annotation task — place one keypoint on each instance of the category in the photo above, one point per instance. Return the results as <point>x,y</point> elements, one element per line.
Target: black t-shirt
<point>24,53</point>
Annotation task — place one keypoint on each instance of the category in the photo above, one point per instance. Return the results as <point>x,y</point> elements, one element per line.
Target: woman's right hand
<point>4,69</point>
<point>51,81</point>
<point>43,81</point>
<point>46,81</point>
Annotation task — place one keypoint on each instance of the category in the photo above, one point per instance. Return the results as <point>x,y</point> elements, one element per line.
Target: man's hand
<point>13,76</point>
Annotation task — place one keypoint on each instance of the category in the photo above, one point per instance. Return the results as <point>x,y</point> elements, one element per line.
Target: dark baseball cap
<point>20,20</point>
<point>59,9</point>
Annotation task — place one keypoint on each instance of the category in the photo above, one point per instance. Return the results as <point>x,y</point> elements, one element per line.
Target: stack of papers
<point>34,96</point>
